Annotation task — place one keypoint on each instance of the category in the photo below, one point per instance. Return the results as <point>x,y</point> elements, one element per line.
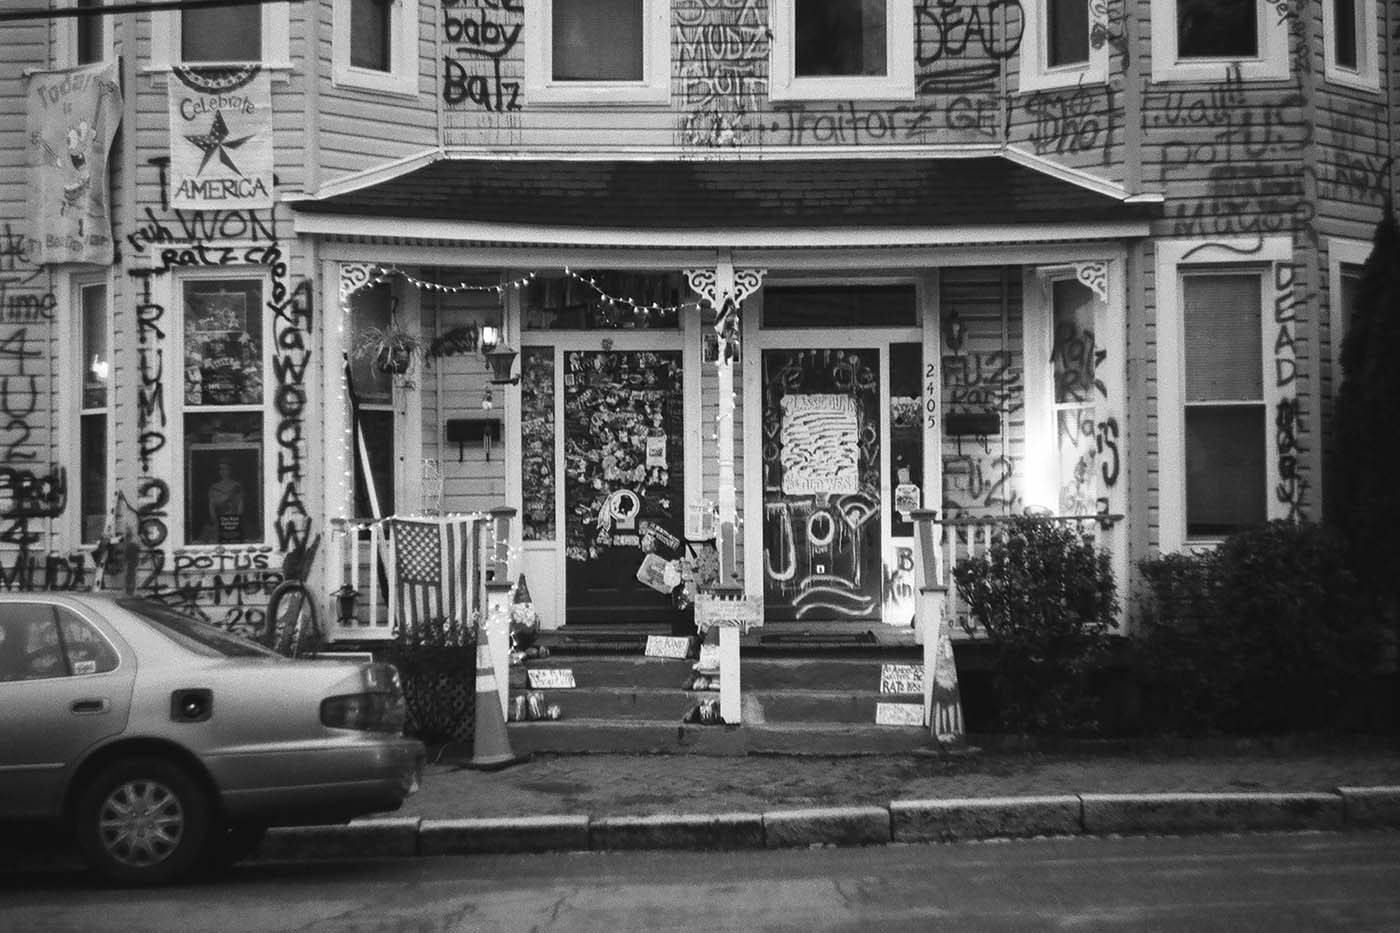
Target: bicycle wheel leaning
<point>293,622</point>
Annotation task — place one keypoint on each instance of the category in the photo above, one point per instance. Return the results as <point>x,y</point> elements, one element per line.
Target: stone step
<point>618,670</point>
<point>624,702</point>
<point>575,736</point>
<point>815,706</point>
<point>770,673</point>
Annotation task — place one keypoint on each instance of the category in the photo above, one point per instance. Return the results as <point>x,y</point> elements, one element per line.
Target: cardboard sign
<point>899,714</point>
<point>551,678</point>
<point>717,612</point>
<point>902,678</point>
<point>709,658</point>
<point>700,520</point>
<point>652,572</point>
<point>667,646</point>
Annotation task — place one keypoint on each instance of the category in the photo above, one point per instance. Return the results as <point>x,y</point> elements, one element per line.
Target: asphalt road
<point>1315,881</point>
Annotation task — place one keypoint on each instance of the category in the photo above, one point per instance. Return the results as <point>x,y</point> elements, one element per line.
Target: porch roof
<point>749,196</point>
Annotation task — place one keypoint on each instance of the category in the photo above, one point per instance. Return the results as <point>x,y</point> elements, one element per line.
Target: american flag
<point>432,564</point>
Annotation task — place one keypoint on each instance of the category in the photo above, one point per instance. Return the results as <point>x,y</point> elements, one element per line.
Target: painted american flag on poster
<point>432,564</point>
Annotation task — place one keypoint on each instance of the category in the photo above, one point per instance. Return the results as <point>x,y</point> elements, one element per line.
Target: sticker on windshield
<point>84,667</point>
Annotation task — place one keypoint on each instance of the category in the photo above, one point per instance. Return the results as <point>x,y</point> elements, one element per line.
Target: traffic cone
<point>490,743</point>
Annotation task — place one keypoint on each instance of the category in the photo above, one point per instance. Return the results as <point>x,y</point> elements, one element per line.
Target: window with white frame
<point>376,45</point>
<point>85,39</point>
<point>1350,43</point>
<point>1057,49</point>
<point>93,315</point>
<point>372,307</point>
<point>215,35</point>
<point>599,51</point>
<point>842,49</point>
<point>224,408</point>
<point>1345,261</point>
<point>1201,40</point>
<point>1225,413</point>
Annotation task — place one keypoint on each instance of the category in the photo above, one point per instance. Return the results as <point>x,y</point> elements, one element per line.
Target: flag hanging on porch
<point>432,571</point>
<point>71,119</point>
<point>220,137</point>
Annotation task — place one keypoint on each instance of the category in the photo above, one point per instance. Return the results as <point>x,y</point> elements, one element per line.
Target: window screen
<point>1224,343</point>
<point>221,34</point>
<point>597,40</point>
<point>1067,39</point>
<point>1217,29</point>
<point>839,38</point>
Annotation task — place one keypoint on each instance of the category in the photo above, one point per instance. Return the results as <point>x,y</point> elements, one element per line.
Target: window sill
<point>1355,80</point>
<point>281,71</point>
<point>800,90</point>
<point>1062,80</point>
<point>376,81</point>
<point>597,95</point>
<point>1219,69</point>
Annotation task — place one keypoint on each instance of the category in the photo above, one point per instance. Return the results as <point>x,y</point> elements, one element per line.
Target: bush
<point>1046,598</point>
<point>1268,633</point>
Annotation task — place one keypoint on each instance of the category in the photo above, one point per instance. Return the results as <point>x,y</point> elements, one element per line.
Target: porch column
<point>942,700</point>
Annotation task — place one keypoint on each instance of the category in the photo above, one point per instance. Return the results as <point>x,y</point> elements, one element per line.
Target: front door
<point>821,485</point>
<point>624,488</point>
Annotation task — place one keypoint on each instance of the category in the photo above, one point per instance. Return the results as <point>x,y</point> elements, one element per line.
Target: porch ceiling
<point>750,196</point>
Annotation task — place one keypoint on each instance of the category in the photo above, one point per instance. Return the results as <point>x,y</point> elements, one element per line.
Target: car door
<point>65,685</point>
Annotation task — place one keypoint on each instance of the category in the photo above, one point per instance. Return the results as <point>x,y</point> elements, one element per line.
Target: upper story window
<point>599,51</point>
<point>221,35</point>
<point>842,49</point>
<point>1056,50</point>
<point>82,40</point>
<point>376,45</point>
<point>1350,46</point>
<point>1198,40</point>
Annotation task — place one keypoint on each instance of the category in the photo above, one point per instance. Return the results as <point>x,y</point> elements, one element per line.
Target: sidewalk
<point>694,801</point>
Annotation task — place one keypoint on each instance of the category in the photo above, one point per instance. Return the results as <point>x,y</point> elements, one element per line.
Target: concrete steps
<point>818,703</point>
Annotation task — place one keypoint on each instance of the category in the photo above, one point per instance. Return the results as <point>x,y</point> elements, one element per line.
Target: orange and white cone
<point>490,743</point>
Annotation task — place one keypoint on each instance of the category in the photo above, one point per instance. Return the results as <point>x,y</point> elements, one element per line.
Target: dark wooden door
<point>623,481</point>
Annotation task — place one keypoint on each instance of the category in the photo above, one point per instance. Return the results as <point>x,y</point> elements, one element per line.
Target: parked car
<point>166,744</point>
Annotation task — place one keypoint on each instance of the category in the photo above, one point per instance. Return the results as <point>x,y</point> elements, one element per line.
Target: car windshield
<point>199,637</point>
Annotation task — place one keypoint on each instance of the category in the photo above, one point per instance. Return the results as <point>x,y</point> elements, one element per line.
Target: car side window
<point>87,651</point>
<point>40,641</point>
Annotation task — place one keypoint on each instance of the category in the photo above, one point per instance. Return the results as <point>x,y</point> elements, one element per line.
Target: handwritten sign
<point>901,678</point>
<point>820,445</point>
<point>719,612</point>
<point>709,659</point>
<point>667,646</point>
<point>551,678</point>
<point>899,714</point>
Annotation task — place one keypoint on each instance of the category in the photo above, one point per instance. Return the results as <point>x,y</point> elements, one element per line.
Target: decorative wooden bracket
<point>1093,275</point>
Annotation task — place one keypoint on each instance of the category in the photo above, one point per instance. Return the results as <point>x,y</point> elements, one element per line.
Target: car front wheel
<point>143,821</point>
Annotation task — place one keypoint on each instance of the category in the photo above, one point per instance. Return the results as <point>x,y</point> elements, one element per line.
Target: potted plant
<point>393,350</point>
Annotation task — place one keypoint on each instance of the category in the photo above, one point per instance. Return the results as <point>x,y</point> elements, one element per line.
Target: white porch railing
<point>973,536</point>
<point>413,576</point>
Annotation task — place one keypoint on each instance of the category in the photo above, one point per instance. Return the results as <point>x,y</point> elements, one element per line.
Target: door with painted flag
<point>623,484</point>
<point>821,484</point>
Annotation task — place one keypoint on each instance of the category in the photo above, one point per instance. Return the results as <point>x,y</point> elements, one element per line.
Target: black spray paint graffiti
<point>722,55</point>
<point>227,586</point>
<point>960,45</point>
<point>481,38</point>
<point>980,478</point>
<point>1072,122</point>
<point>852,124</point>
<point>1291,487</point>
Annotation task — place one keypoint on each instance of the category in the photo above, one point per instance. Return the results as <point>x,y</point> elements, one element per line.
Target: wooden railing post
<point>942,700</point>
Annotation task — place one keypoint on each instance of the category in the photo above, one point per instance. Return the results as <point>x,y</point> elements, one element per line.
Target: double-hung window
<point>216,35</point>
<point>1063,43</point>
<point>1229,425</point>
<point>598,51</point>
<point>85,39</point>
<point>376,45</point>
<point>1201,40</point>
<point>224,408</point>
<point>93,315</point>
<point>1350,43</point>
<point>842,49</point>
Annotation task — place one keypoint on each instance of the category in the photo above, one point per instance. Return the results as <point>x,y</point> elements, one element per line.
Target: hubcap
<point>140,823</point>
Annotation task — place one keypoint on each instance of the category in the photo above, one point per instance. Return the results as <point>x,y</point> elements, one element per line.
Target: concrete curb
<point>903,821</point>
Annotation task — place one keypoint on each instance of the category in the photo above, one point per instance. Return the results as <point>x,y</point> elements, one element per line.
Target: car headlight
<point>365,712</point>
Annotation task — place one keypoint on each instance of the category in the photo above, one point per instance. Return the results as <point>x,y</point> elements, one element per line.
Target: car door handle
<point>81,707</point>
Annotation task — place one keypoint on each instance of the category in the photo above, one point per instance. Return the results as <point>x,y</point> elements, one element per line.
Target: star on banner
<point>217,141</point>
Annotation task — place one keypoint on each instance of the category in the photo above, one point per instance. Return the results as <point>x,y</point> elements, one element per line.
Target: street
<point>1260,882</point>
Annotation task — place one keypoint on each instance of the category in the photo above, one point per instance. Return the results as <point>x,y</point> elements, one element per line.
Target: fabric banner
<point>220,138</point>
<point>71,119</point>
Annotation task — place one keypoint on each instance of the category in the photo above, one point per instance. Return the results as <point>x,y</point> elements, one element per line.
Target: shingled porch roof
<point>751,195</point>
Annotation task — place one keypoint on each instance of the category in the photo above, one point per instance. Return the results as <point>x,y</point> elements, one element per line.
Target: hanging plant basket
<point>394,361</point>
